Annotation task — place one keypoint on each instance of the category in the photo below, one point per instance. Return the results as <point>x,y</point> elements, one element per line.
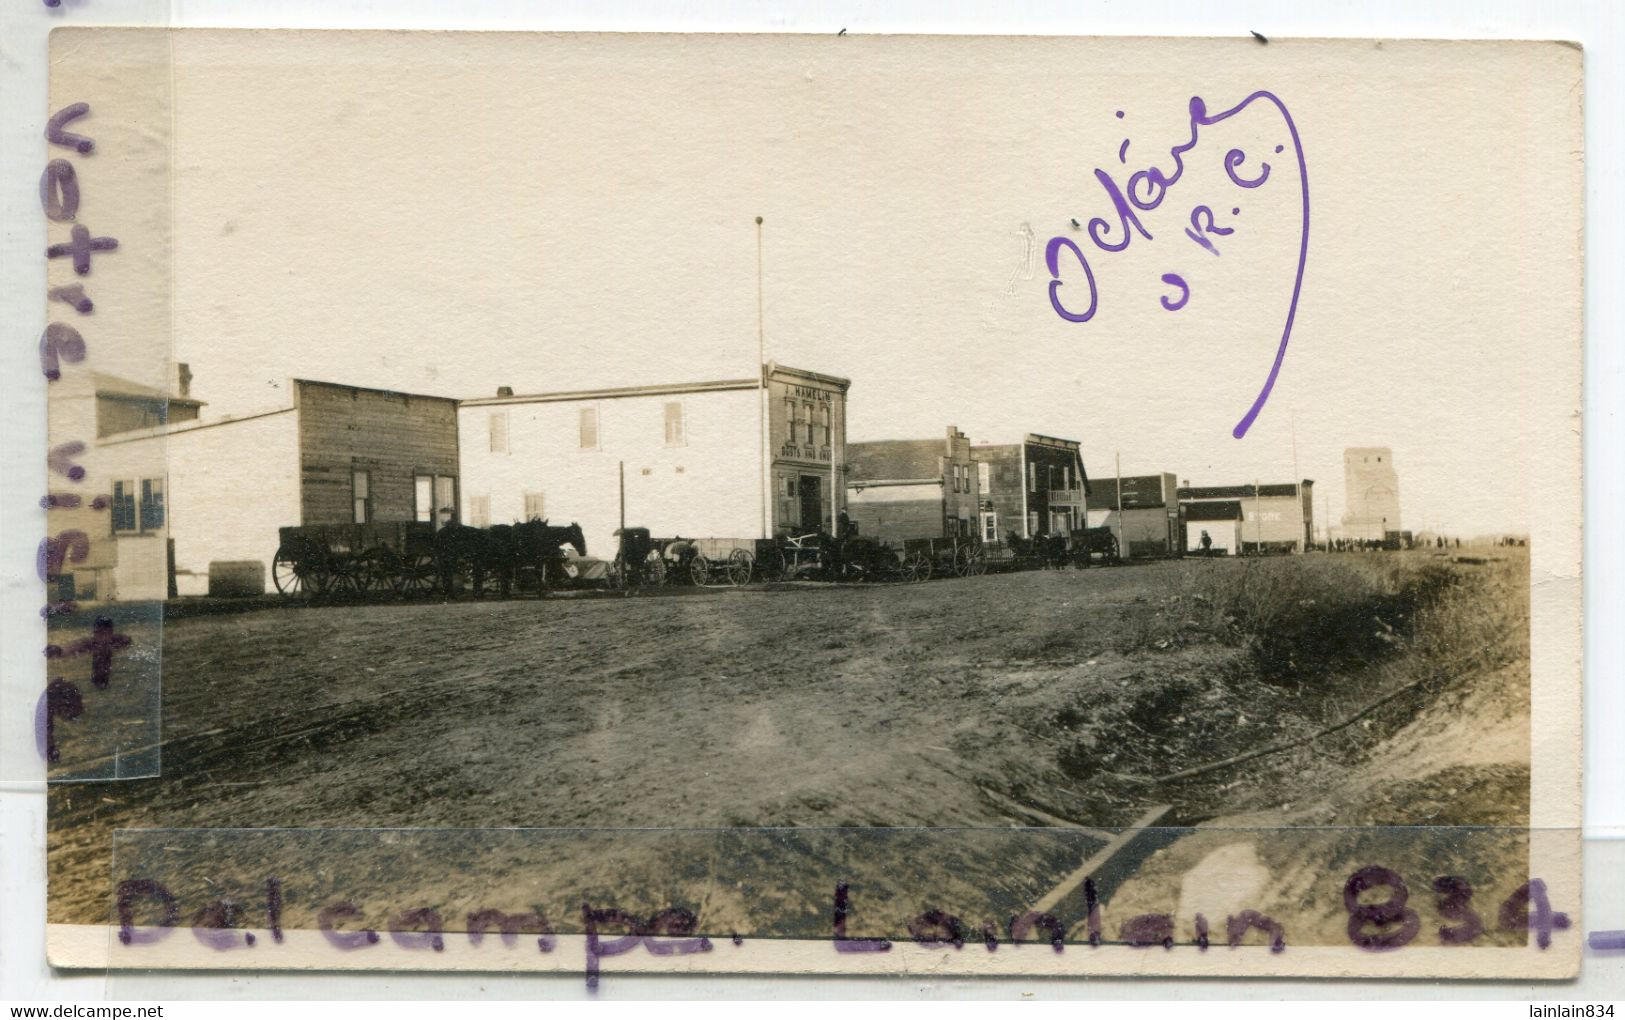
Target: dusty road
<point>1035,699</point>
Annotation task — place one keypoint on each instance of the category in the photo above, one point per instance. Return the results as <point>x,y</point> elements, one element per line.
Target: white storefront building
<point>733,458</point>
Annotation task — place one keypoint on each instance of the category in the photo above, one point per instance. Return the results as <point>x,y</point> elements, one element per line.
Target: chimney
<point>504,391</point>
<point>183,379</point>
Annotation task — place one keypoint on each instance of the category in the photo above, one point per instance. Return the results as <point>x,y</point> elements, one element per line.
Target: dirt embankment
<point>1053,699</point>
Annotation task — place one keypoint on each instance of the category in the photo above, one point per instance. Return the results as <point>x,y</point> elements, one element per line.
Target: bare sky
<point>447,214</point>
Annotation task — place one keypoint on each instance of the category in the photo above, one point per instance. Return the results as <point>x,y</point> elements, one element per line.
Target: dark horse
<point>503,551</point>
<point>1042,550</point>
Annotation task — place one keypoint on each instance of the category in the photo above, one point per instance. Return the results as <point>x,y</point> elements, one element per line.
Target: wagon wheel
<point>772,566</point>
<point>976,563</point>
<point>962,563</point>
<point>349,576</point>
<point>383,567</point>
<point>292,573</point>
<point>740,565</point>
<point>918,567</point>
<point>654,569</point>
<point>418,575</point>
<point>699,570</point>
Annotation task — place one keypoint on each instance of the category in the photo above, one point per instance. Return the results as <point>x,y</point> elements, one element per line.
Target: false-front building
<point>732,458</point>
<point>898,489</point>
<point>1142,511</point>
<point>1036,486</point>
<point>1251,518</point>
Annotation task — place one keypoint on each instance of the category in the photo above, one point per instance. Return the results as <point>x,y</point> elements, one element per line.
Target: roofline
<point>182,428</point>
<point>773,367</point>
<point>613,393</point>
<point>364,389</point>
<point>147,397</point>
<point>664,389</point>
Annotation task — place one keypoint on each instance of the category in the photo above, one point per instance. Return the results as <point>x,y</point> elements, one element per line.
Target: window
<point>445,499</point>
<point>790,486</point>
<point>138,508</point>
<point>990,527</point>
<point>124,506</point>
<point>676,435</point>
<point>809,424</point>
<point>499,431</point>
<point>826,424</point>
<point>1032,477</point>
<point>479,511</point>
<point>361,496</point>
<point>423,497</point>
<point>790,416</point>
<point>982,476</point>
<point>589,428</point>
<point>533,506</point>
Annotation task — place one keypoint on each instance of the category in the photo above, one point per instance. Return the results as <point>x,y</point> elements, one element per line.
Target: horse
<point>1048,552</point>
<point>503,550</point>
<point>537,545</point>
<point>458,546</point>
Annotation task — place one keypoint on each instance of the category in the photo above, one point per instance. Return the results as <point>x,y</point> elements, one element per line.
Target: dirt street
<point>1043,699</point>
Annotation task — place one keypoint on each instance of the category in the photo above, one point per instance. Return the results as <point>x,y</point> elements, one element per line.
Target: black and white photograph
<point>810,503</point>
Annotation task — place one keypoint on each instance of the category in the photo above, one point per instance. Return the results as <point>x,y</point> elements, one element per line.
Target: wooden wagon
<point>954,555</point>
<point>336,559</point>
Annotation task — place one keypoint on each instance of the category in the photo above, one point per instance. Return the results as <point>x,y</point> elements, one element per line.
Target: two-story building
<point>1035,486</point>
<point>730,458</point>
<point>898,489</point>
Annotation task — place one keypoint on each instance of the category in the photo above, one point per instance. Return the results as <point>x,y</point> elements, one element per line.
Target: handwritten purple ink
<point>80,246</point>
<point>57,344</point>
<point>1175,280</point>
<point>59,191</point>
<point>60,460</point>
<point>57,134</point>
<point>73,294</point>
<point>1149,187</point>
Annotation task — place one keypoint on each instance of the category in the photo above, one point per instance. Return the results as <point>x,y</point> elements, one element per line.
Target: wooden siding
<point>894,521</point>
<point>393,436</point>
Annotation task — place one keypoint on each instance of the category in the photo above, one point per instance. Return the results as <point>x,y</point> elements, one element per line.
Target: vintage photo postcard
<point>843,504</point>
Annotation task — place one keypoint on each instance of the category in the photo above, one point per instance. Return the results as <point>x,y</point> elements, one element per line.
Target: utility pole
<point>1297,483</point>
<point>761,375</point>
<point>1121,552</point>
<point>623,496</point>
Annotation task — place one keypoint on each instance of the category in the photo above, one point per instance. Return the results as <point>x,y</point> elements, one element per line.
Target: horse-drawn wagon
<point>954,555</point>
<point>338,559</point>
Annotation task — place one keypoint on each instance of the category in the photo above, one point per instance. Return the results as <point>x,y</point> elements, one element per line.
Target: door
<point>812,503</point>
<point>445,500</point>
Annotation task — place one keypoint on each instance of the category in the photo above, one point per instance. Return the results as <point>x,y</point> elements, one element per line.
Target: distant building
<point>897,489</point>
<point>1217,519</point>
<point>198,502</point>
<point>1145,518</point>
<point>1036,486</point>
<point>1272,518</point>
<point>1371,493</point>
<point>689,459</point>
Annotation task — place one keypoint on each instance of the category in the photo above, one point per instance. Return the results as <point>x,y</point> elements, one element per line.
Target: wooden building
<point>1273,518</point>
<point>1142,511</point>
<point>335,454</point>
<point>731,458</point>
<point>898,489</point>
<point>1035,486</point>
